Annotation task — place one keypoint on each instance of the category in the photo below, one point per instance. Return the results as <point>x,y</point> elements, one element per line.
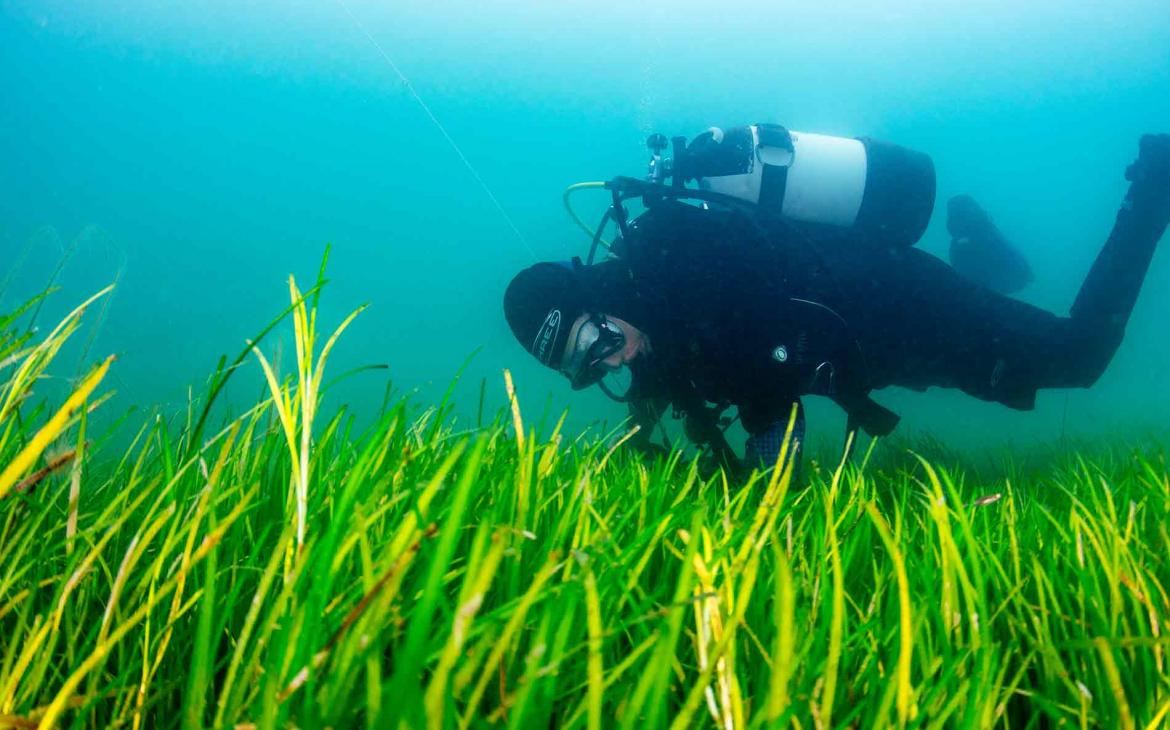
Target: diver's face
<point>637,343</point>
<point>598,345</point>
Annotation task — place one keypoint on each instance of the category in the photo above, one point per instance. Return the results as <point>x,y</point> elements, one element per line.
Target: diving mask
<point>598,338</point>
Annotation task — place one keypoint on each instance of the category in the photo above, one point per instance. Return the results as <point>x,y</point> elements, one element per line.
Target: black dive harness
<point>704,421</point>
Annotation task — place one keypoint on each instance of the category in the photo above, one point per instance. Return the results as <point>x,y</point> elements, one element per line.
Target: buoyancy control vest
<point>727,298</point>
<point>864,188</point>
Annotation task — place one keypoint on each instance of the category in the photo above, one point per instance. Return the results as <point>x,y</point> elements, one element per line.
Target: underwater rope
<point>435,120</point>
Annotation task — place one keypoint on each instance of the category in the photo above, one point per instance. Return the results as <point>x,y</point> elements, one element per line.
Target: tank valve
<point>658,169</point>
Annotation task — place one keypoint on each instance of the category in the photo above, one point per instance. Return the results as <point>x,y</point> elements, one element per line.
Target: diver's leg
<point>1109,292</point>
<point>952,332</point>
<point>762,449</point>
<point>980,252</point>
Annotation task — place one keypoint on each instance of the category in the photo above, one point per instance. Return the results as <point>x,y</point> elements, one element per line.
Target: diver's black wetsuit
<point>757,315</point>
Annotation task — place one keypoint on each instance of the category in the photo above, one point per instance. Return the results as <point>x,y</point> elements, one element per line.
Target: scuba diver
<point>795,274</point>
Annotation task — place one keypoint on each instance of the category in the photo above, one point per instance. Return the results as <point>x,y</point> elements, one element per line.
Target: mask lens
<point>597,339</point>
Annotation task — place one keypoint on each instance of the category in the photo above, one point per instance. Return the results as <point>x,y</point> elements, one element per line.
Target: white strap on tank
<point>826,180</point>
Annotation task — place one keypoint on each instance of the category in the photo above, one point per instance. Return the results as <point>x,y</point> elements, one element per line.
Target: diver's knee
<point>1094,355</point>
<point>1088,376</point>
<point>1077,355</point>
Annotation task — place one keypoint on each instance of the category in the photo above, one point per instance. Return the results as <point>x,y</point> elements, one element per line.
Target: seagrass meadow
<point>288,568</point>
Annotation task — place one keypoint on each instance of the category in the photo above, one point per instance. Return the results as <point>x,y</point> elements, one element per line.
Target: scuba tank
<point>882,191</point>
<point>862,184</point>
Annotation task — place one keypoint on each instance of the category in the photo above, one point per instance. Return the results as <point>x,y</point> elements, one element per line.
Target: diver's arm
<point>645,414</point>
<point>704,428</point>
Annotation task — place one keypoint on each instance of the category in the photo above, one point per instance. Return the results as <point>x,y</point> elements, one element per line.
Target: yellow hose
<point>573,214</point>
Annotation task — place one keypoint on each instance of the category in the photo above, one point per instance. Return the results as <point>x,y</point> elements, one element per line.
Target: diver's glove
<point>647,450</point>
<point>710,465</point>
<point>1150,176</point>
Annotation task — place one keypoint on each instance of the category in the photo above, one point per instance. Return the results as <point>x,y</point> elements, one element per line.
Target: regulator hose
<point>567,198</point>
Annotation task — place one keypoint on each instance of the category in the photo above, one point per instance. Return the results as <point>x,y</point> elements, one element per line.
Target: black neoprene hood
<point>541,304</point>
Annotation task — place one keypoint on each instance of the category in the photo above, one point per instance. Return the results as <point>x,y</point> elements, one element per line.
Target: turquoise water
<point>201,152</point>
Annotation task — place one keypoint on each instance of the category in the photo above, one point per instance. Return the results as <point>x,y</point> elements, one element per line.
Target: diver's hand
<point>710,465</point>
<point>1150,174</point>
<point>647,450</point>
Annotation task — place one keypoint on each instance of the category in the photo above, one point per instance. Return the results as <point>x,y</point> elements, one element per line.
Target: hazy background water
<point>200,152</point>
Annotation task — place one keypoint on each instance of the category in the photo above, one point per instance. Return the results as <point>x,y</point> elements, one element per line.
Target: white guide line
<point>466,162</point>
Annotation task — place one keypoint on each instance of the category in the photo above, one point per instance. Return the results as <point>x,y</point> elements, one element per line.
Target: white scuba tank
<point>862,184</point>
